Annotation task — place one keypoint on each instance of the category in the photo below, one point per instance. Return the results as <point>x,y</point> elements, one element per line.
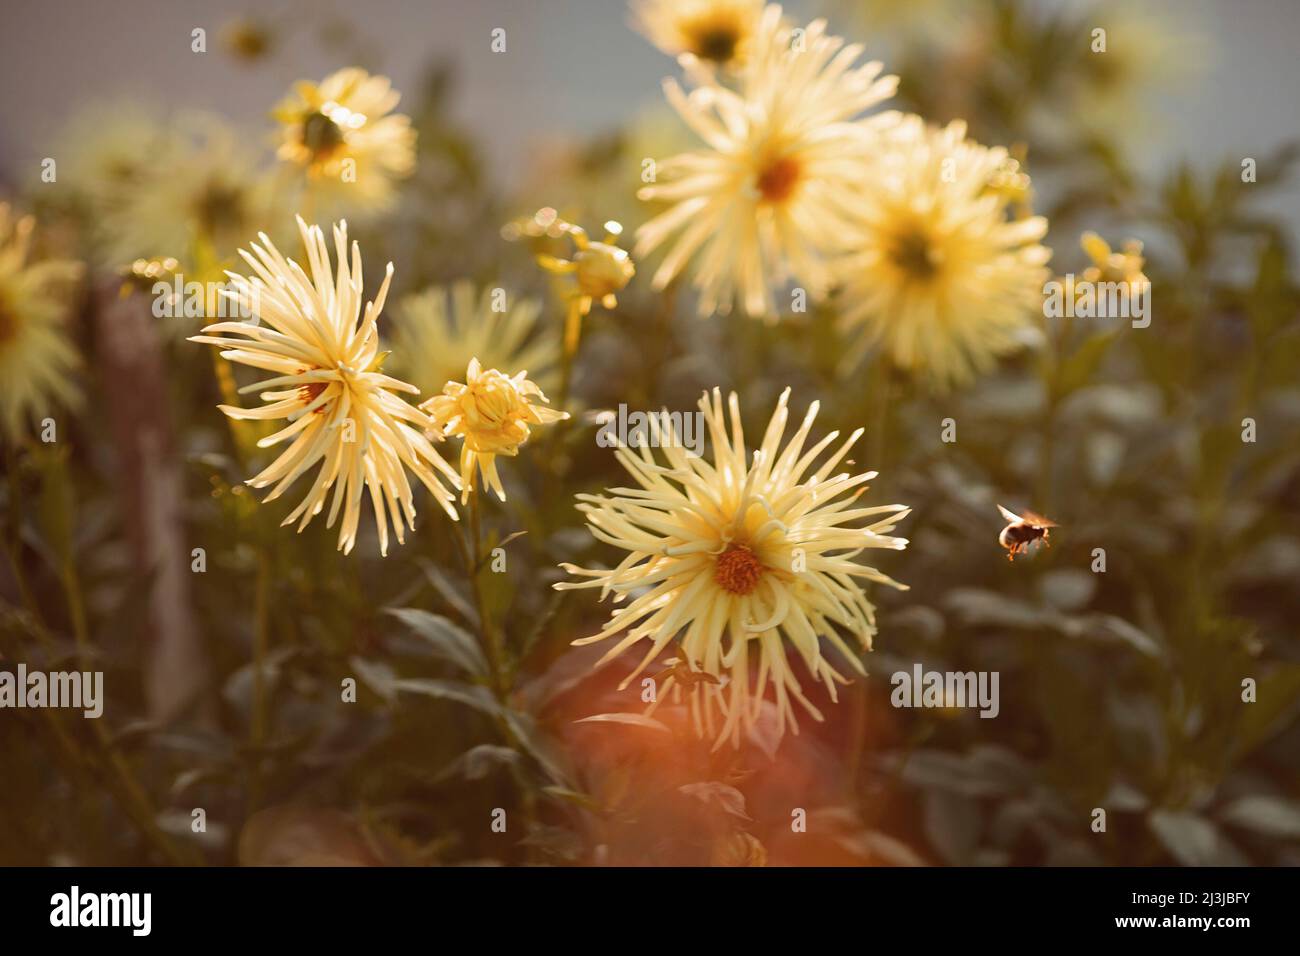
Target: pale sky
<point>570,65</point>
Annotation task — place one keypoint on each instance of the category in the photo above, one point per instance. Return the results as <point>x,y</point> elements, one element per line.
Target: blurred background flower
<point>941,276</point>
<point>344,134</point>
<point>38,361</point>
<point>436,332</point>
<point>764,203</point>
<point>718,32</point>
<point>201,196</point>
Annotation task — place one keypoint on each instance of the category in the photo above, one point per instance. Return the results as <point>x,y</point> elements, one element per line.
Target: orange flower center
<point>737,570</point>
<point>912,252</point>
<point>310,392</point>
<point>321,135</point>
<point>778,178</point>
<point>714,38</point>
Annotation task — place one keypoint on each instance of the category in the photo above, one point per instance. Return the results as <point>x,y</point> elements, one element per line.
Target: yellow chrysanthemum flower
<point>766,200</point>
<point>715,31</point>
<point>1109,266</point>
<point>341,409</point>
<point>596,272</point>
<point>943,279</point>
<point>599,270</point>
<point>106,152</point>
<point>1143,52</point>
<point>492,412</point>
<point>736,559</point>
<point>37,362</point>
<point>344,133</point>
<point>438,331</point>
<point>203,196</point>
<point>248,39</point>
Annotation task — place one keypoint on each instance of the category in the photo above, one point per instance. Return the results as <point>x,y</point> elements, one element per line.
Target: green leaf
<point>486,560</point>
<point>542,623</point>
<point>976,607</point>
<point>303,836</point>
<point>448,640</point>
<point>377,676</point>
<point>720,795</point>
<point>1067,589</point>
<point>1191,839</point>
<point>952,824</point>
<point>928,769</point>
<point>471,695</point>
<point>634,720</point>
<point>477,762</point>
<point>1269,303</point>
<point>560,842</point>
<point>57,506</point>
<point>524,727</point>
<point>1277,697</point>
<point>980,608</point>
<point>1112,629</point>
<point>448,591</point>
<point>880,846</point>
<point>1273,816</point>
<point>1079,368</point>
<point>585,801</point>
<point>498,593</point>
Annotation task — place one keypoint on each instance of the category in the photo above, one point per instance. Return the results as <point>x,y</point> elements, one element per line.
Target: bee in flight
<point>1022,531</point>
<point>685,675</point>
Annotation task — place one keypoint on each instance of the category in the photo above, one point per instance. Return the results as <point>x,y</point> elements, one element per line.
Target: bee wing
<point>1036,519</point>
<point>1013,518</point>
<point>668,671</point>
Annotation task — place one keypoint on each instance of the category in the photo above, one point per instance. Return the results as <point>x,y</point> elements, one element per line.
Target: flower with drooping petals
<point>343,411</point>
<point>739,560</point>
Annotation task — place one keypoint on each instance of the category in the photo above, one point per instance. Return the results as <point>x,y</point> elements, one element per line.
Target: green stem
<point>880,407</point>
<point>259,720</point>
<point>1053,363</point>
<point>487,635</point>
<point>572,338</point>
<point>879,414</point>
<point>660,349</point>
<point>131,793</point>
<point>244,434</point>
<point>471,556</point>
<point>119,778</point>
